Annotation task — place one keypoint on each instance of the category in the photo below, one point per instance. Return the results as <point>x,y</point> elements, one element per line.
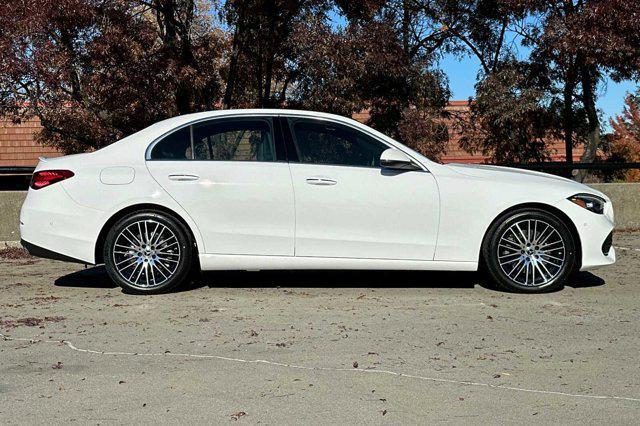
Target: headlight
<point>591,202</point>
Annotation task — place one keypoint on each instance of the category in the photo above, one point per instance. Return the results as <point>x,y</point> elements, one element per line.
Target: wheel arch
<point>102,236</point>
<point>549,209</point>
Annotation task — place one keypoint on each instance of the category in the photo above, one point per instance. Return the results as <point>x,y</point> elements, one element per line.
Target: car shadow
<point>339,279</point>
<point>584,279</point>
<point>96,277</point>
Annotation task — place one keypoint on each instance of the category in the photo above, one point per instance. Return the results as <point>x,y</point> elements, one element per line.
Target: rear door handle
<point>183,178</point>
<point>321,181</point>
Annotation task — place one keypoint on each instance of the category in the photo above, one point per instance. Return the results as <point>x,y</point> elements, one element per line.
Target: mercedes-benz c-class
<point>283,189</point>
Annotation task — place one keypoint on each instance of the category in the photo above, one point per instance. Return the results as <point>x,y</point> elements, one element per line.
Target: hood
<point>512,175</point>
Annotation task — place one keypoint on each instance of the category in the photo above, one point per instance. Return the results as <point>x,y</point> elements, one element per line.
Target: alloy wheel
<point>531,252</point>
<point>146,253</point>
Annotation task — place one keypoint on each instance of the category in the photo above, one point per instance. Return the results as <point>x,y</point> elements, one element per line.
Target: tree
<point>583,40</point>
<point>625,139</point>
<point>509,120</point>
<point>261,47</point>
<point>94,71</point>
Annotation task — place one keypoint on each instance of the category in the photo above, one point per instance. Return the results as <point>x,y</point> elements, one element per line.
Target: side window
<point>176,146</point>
<point>233,140</point>
<point>328,143</point>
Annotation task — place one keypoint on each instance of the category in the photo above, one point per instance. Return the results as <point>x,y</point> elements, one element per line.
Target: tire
<point>148,252</point>
<point>529,251</point>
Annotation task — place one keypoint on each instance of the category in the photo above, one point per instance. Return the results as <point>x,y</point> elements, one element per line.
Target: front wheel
<point>529,250</point>
<point>148,252</point>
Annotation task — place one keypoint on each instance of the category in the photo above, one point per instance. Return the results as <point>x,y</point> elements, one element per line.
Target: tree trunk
<point>266,96</point>
<point>238,34</point>
<point>589,100</point>
<point>567,116</point>
<point>406,22</point>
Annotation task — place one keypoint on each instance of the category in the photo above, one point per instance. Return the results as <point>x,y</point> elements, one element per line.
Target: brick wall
<point>18,146</point>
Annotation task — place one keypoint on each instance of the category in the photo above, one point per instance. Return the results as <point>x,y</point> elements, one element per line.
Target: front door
<point>348,206</point>
<point>225,173</point>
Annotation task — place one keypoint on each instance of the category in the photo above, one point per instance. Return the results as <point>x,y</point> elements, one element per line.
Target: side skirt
<point>226,262</point>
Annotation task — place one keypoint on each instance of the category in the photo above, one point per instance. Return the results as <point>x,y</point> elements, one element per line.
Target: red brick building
<point>18,147</point>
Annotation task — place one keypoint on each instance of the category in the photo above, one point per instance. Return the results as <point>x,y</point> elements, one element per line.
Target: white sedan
<point>283,189</point>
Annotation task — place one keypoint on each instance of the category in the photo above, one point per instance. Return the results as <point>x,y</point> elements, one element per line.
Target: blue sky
<point>462,78</point>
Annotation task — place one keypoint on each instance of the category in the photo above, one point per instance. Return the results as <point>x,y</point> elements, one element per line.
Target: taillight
<point>47,177</point>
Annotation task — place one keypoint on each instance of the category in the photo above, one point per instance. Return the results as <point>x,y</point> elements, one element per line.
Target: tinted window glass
<point>176,146</point>
<point>238,140</point>
<point>328,143</point>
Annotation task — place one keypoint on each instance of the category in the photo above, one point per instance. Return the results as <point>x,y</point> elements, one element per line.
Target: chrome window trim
<point>147,156</point>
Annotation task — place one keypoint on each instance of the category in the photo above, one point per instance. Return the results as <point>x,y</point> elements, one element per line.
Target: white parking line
<point>312,368</point>
<point>626,248</point>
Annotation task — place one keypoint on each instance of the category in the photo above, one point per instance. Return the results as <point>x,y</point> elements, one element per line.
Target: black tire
<point>162,262</point>
<point>533,258</point>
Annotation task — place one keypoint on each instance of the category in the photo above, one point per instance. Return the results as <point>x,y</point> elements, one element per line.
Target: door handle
<point>321,181</point>
<point>183,178</point>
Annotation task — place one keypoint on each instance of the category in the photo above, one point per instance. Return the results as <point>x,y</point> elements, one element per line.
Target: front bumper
<point>594,230</point>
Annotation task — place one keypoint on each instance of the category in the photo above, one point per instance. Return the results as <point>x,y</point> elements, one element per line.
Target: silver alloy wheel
<point>146,253</point>
<point>531,253</point>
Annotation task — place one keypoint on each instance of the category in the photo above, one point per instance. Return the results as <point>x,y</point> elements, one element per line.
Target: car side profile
<point>285,189</point>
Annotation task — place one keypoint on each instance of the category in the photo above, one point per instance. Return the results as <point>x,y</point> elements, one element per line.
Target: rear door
<point>231,176</point>
<point>348,206</point>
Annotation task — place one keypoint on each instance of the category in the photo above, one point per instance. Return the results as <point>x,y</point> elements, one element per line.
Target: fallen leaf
<point>237,415</point>
<point>57,366</point>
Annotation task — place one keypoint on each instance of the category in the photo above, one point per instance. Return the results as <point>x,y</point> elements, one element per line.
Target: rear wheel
<point>530,251</point>
<point>148,252</point>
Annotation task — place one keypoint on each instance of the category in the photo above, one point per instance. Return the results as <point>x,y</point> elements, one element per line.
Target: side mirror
<point>397,160</point>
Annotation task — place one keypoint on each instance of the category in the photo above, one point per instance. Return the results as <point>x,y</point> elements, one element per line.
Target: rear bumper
<point>52,224</point>
<point>38,251</point>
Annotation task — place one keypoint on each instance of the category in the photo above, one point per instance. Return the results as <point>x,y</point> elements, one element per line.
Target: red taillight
<point>47,177</point>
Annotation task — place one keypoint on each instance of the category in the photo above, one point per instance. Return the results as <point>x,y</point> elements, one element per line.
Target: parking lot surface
<point>319,347</point>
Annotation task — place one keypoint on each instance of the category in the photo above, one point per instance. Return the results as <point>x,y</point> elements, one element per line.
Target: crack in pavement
<point>331,369</point>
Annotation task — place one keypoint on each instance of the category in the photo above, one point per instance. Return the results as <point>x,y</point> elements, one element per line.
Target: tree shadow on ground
<point>96,277</point>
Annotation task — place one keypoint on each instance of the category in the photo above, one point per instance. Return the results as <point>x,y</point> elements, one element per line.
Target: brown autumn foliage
<point>94,71</point>
<point>625,139</point>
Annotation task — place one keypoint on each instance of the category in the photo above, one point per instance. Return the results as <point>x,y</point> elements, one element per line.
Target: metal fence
<point>17,178</point>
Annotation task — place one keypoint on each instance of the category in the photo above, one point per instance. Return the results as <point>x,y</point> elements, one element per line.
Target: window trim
<point>276,136</point>
<point>280,137</point>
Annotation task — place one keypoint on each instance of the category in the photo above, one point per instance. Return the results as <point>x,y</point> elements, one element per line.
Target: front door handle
<point>322,181</point>
<point>183,177</point>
